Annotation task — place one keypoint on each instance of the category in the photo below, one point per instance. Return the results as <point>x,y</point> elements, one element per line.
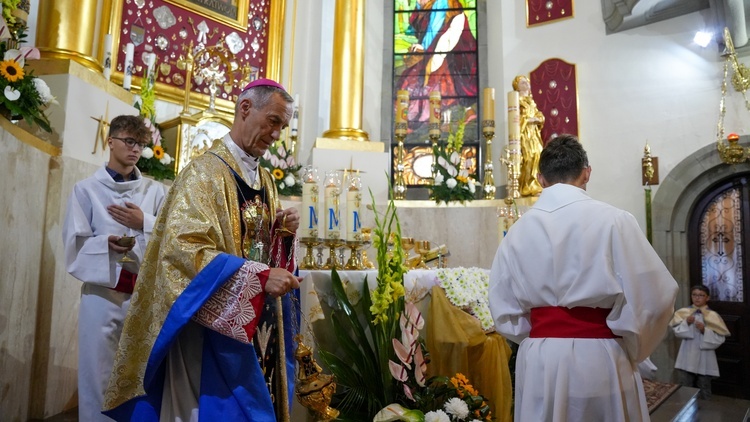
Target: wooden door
<point>719,246</point>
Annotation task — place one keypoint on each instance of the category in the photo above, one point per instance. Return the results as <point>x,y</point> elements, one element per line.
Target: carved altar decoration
<point>554,86</point>
<point>191,136</point>
<point>251,30</point>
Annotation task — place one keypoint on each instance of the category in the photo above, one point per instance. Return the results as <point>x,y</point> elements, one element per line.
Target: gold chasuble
<point>213,226</point>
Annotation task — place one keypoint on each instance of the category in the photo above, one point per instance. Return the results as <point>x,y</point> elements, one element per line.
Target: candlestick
<point>107,67</point>
<point>488,186</point>
<point>128,73</point>
<point>513,153</point>
<point>435,112</point>
<point>488,108</point>
<point>400,130</point>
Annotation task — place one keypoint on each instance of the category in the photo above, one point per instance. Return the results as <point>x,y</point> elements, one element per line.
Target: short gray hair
<point>261,95</point>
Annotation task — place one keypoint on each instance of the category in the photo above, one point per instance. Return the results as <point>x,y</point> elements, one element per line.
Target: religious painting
<point>230,12</point>
<point>546,11</point>
<point>184,35</point>
<point>435,48</point>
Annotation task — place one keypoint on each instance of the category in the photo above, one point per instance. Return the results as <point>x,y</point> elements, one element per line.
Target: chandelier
<point>733,153</point>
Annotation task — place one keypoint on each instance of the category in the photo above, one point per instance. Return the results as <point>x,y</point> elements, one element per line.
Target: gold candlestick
<point>434,138</point>
<point>293,147</point>
<point>488,186</point>
<point>308,262</point>
<point>512,160</point>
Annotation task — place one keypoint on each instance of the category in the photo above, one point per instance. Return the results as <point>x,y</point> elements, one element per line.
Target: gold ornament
<point>314,388</point>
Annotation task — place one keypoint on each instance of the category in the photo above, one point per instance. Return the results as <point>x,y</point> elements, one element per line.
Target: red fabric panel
<point>578,322</point>
<point>553,86</point>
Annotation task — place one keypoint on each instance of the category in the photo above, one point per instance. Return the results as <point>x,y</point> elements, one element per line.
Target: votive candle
<point>128,69</point>
<point>332,201</point>
<point>435,112</point>
<point>107,66</point>
<point>353,209</point>
<point>402,111</point>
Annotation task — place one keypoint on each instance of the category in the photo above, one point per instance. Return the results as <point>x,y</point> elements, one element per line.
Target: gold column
<point>347,75</point>
<point>275,40</point>
<point>65,30</point>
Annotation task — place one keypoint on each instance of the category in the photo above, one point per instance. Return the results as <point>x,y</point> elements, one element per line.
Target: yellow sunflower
<point>158,152</point>
<point>11,70</point>
<point>278,174</point>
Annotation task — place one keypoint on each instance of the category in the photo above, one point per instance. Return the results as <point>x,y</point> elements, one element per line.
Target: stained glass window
<point>435,49</point>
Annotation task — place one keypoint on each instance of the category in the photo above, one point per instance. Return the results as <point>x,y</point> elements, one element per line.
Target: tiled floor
<point>682,406</point>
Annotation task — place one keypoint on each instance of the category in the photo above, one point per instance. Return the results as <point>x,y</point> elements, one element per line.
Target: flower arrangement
<point>467,288</point>
<point>24,94</point>
<point>154,159</point>
<point>381,370</point>
<point>284,169</point>
<point>452,181</point>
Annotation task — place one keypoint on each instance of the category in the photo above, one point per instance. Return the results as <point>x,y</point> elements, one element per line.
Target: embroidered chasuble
<point>205,269</point>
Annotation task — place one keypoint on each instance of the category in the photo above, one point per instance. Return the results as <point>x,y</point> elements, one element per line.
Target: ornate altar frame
<point>274,50</point>
<point>239,20</point>
<point>181,135</point>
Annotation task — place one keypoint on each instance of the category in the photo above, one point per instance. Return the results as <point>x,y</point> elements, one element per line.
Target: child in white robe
<point>702,331</point>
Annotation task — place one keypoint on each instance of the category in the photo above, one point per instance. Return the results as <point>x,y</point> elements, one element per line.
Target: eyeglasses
<point>699,295</point>
<point>130,142</point>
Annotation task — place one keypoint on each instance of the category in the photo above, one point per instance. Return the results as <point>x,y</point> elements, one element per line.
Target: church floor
<point>718,409</point>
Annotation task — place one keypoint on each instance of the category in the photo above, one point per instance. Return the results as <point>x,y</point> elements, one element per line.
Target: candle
<point>107,70</point>
<point>402,112</point>
<point>488,104</point>
<point>128,74</point>
<point>150,62</point>
<point>353,209</point>
<point>295,115</point>
<point>435,111</point>
<point>310,206</point>
<point>332,230</point>
<point>514,126</point>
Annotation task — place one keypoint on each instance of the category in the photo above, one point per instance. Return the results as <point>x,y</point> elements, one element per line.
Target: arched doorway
<point>680,206</point>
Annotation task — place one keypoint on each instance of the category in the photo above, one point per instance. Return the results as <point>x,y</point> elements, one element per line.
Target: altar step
<point>684,406</point>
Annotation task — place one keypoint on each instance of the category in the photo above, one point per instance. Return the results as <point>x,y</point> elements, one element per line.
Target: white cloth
<point>102,310</point>
<point>697,351</point>
<point>572,251</point>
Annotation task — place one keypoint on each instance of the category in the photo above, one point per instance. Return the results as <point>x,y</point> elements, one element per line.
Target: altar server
<point>577,284</point>
<point>115,202</point>
<point>702,332</point>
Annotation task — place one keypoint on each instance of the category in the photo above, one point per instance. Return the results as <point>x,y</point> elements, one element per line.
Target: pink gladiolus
<point>397,371</point>
<point>30,53</point>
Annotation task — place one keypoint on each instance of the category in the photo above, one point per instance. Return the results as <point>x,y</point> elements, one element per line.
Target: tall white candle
<point>514,126</point>
<point>295,115</point>
<point>128,69</point>
<point>107,65</point>
<point>310,206</point>
<point>354,209</point>
<point>332,204</point>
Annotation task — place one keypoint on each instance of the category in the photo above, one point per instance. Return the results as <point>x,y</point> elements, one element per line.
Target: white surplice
<point>572,251</point>
<point>88,258</point>
<point>698,350</point>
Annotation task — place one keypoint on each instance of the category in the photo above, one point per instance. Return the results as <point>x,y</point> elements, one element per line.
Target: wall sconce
<point>650,167</point>
<point>741,76</point>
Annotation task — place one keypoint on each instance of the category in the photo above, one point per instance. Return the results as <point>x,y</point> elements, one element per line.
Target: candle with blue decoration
<point>310,195</point>
<point>332,204</point>
<point>354,208</point>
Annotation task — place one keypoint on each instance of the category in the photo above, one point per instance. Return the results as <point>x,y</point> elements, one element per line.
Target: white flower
<point>147,153</point>
<point>166,159</point>
<point>281,185</point>
<point>289,180</point>
<point>43,90</point>
<point>455,158</point>
<point>467,288</point>
<point>472,188</point>
<point>438,179</point>
<point>12,94</point>
<point>436,416</point>
<point>457,408</point>
<point>451,183</point>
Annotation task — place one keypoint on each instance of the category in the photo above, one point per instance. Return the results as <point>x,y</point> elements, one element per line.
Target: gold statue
<point>532,121</point>
<point>314,388</point>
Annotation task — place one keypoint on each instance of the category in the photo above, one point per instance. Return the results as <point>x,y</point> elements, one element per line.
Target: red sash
<point>578,322</point>
<point>126,283</point>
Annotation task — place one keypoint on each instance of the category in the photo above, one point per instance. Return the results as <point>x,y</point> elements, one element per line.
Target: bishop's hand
<point>281,282</point>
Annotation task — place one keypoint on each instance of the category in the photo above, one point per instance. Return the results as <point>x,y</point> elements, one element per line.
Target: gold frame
<point>111,24</point>
<point>243,7</point>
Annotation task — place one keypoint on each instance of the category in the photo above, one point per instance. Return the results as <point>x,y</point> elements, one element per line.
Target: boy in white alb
<point>702,331</point>
<point>115,201</point>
